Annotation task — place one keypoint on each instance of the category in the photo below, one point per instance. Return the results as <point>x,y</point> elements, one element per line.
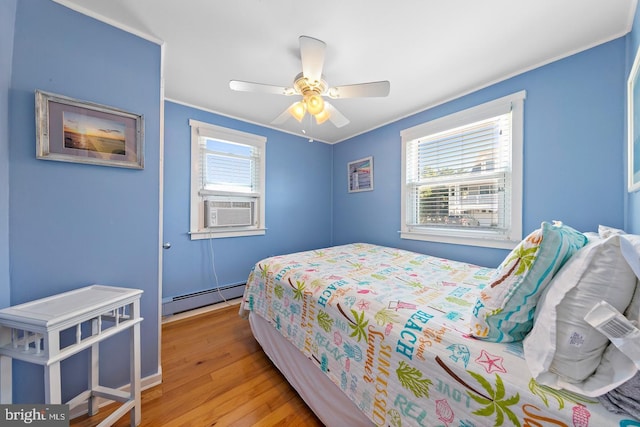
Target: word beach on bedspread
<point>391,329</point>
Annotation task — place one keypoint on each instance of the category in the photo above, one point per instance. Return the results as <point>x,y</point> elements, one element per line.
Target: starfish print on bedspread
<point>491,362</point>
<point>363,305</point>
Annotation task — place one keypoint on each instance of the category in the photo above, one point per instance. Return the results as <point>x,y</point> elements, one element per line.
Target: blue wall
<point>632,220</point>
<point>7,25</point>
<point>573,155</point>
<point>72,225</point>
<point>298,208</point>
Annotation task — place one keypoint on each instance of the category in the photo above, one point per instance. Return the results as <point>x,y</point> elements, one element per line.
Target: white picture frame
<point>633,125</point>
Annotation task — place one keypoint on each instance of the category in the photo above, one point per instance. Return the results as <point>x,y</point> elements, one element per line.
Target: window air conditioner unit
<point>226,213</point>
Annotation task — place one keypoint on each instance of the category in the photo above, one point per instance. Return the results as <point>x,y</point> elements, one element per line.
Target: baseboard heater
<point>175,305</point>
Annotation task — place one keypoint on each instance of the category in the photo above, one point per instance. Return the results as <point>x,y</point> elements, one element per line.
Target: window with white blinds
<point>227,182</point>
<point>229,167</point>
<point>462,176</point>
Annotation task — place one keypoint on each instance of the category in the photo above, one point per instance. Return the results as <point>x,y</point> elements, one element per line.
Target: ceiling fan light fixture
<point>315,104</point>
<point>298,110</point>
<point>311,85</point>
<point>322,117</point>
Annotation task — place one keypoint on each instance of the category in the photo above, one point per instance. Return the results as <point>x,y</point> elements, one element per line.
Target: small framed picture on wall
<point>360,175</point>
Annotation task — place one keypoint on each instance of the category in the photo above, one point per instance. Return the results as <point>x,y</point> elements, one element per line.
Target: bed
<point>372,335</point>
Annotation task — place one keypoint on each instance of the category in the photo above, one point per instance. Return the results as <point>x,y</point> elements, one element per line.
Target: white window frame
<point>197,230</point>
<point>456,235</point>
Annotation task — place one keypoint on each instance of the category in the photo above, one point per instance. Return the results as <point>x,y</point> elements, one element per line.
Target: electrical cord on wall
<point>213,270</point>
<point>215,274</point>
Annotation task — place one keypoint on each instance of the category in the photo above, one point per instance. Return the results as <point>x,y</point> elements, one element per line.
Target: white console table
<point>31,332</point>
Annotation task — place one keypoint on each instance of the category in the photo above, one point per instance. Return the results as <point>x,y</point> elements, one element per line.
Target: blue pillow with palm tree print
<point>504,310</point>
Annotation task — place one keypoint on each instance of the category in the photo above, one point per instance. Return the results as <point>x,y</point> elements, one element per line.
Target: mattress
<point>315,388</point>
<point>389,329</point>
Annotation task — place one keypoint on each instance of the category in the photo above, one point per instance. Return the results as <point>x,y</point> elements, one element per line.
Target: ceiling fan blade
<point>312,57</point>
<point>283,117</point>
<point>260,87</point>
<point>360,90</point>
<point>336,117</point>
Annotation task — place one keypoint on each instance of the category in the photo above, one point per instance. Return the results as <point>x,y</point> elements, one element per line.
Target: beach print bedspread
<point>390,328</point>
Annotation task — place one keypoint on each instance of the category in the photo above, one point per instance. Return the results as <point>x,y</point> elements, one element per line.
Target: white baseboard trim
<point>145,383</point>
<point>194,300</point>
<point>201,310</point>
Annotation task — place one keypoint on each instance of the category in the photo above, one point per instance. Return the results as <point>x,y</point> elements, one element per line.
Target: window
<point>462,176</point>
<point>227,182</point>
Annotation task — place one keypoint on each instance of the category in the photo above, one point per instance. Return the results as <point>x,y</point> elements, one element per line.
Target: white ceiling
<point>430,50</point>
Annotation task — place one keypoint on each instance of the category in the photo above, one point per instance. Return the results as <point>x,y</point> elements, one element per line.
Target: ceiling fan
<point>312,86</point>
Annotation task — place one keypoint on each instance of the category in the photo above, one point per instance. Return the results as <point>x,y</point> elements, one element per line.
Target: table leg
<point>94,378</point>
<point>6,378</point>
<point>136,414</point>
<point>52,393</point>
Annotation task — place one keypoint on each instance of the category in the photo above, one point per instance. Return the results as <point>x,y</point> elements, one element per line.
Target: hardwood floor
<point>215,374</point>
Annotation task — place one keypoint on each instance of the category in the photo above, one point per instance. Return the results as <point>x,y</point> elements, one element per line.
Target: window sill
<point>486,242</point>
<point>220,234</point>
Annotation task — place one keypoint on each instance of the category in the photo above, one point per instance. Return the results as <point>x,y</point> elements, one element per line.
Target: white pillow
<point>605,231</point>
<point>630,248</point>
<point>563,350</point>
<point>633,311</point>
<point>592,236</point>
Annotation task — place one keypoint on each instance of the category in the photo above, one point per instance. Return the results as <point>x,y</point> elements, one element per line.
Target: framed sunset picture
<point>76,131</point>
